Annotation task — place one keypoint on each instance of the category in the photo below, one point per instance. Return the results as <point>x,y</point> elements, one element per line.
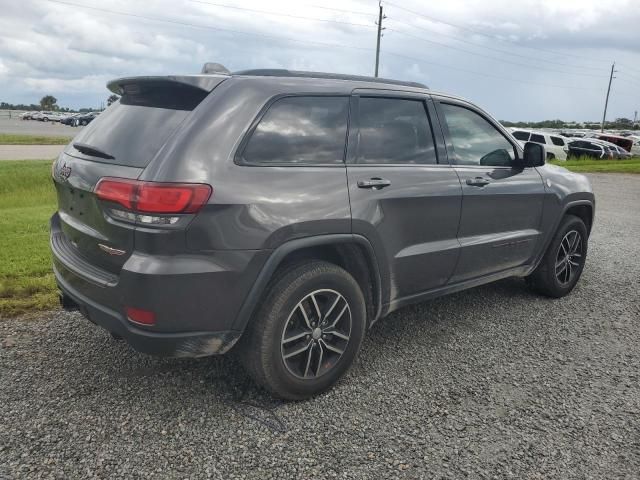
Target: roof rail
<point>281,72</point>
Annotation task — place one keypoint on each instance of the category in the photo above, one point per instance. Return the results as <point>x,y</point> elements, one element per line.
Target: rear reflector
<point>153,197</point>
<point>143,317</point>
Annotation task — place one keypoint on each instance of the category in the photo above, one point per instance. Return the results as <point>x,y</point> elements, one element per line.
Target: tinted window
<point>394,131</point>
<point>537,138</point>
<point>557,141</point>
<point>521,135</point>
<point>133,129</point>
<point>300,130</point>
<point>476,141</point>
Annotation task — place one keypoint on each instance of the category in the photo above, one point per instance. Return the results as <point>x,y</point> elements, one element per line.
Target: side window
<point>394,131</point>
<point>557,141</point>
<point>537,138</point>
<point>520,135</point>
<point>300,130</point>
<point>475,140</point>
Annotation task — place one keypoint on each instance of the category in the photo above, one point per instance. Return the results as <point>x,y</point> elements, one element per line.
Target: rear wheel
<point>562,264</point>
<point>308,331</point>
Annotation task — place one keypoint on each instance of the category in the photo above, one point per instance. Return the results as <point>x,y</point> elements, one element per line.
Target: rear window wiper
<point>91,151</point>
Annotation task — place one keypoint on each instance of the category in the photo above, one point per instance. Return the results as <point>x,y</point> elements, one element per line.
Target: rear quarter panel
<point>252,207</point>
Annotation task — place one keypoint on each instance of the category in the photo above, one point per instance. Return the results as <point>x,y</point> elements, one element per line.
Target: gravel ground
<point>491,383</point>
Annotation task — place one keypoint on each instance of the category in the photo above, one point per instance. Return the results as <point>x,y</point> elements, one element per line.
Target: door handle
<point>478,182</point>
<point>374,183</point>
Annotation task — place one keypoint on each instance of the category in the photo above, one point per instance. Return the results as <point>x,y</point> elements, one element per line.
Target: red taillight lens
<point>117,190</point>
<point>167,198</point>
<point>152,197</point>
<point>143,317</point>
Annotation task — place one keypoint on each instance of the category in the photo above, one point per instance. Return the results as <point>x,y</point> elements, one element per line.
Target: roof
<point>276,72</point>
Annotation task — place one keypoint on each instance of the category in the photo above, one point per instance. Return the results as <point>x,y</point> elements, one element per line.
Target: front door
<point>405,197</point>
<point>501,201</point>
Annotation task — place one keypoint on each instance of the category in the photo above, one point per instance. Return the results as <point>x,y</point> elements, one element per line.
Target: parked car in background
<point>26,115</point>
<point>209,212</point>
<point>50,117</point>
<point>36,115</point>
<point>622,153</point>
<point>588,148</point>
<point>84,119</point>
<point>556,145</point>
<point>68,119</point>
<point>624,142</point>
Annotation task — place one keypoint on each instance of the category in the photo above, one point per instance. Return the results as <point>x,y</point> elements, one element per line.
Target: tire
<point>555,276</point>
<point>45,119</point>
<point>83,122</point>
<point>550,156</point>
<point>268,347</point>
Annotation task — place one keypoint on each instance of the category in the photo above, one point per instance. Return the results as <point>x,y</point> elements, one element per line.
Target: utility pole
<point>380,18</point>
<point>606,102</point>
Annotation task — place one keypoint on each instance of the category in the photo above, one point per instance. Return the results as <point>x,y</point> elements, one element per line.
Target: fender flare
<point>552,232</point>
<point>280,253</point>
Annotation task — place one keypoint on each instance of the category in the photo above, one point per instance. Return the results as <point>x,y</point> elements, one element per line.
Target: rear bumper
<point>195,297</point>
<point>183,344</point>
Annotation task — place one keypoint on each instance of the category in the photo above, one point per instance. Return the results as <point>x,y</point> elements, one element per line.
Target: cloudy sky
<point>521,60</point>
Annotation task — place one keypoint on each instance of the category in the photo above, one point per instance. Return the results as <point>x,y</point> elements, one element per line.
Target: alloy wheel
<point>316,334</point>
<point>569,257</point>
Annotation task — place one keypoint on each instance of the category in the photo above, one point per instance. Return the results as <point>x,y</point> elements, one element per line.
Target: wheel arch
<point>583,210</point>
<point>354,253</point>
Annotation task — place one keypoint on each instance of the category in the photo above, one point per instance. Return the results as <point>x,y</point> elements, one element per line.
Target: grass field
<point>27,200</point>
<point>11,139</point>
<point>586,165</point>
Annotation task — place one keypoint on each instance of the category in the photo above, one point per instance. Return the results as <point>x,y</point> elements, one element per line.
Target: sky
<point>524,60</point>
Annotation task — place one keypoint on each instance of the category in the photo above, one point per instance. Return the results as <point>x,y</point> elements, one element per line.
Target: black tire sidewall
<point>307,279</point>
<point>570,223</point>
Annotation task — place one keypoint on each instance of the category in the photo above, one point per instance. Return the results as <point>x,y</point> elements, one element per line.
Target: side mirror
<point>534,155</point>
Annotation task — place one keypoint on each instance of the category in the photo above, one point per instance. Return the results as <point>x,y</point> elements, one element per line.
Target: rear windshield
<point>133,129</point>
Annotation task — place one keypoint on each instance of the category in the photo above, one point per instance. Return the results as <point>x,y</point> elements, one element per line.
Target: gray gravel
<point>490,383</point>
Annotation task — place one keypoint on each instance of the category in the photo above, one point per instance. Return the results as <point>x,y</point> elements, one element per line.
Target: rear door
<point>501,202</point>
<point>120,142</point>
<point>405,197</point>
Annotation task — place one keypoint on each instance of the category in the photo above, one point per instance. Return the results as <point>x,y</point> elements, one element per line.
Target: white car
<point>556,146</point>
<point>50,117</point>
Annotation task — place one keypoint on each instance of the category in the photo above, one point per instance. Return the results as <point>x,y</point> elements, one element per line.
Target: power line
<point>288,39</point>
<point>497,37</point>
<point>492,57</point>
<point>500,77</point>
<point>208,27</point>
<point>528,57</point>
<point>278,14</point>
<point>368,14</point>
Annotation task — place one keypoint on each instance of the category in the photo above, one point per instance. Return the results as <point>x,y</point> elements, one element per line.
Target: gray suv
<point>279,214</point>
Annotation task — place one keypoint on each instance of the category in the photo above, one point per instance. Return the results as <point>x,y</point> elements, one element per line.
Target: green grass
<point>11,139</point>
<point>27,200</point>
<point>590,165</point>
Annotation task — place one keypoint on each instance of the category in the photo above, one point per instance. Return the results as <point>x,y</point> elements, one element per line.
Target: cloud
<point>538,59</point>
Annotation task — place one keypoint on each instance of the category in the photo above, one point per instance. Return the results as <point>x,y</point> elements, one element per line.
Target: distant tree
<point>112,98</point>
<point>624,121</point>
<point>48,102</point>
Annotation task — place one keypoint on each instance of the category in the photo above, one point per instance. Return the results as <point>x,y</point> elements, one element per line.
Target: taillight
<point>154,197</point>
<point>140,316</point>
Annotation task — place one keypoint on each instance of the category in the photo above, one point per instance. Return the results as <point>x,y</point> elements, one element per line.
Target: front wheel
<point>308,331</point>
<point>564,260</point>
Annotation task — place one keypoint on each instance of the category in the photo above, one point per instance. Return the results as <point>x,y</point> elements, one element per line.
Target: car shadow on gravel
<point>220,379</point>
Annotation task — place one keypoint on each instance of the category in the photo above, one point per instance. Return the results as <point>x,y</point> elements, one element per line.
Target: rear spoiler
<point>205,83</point>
